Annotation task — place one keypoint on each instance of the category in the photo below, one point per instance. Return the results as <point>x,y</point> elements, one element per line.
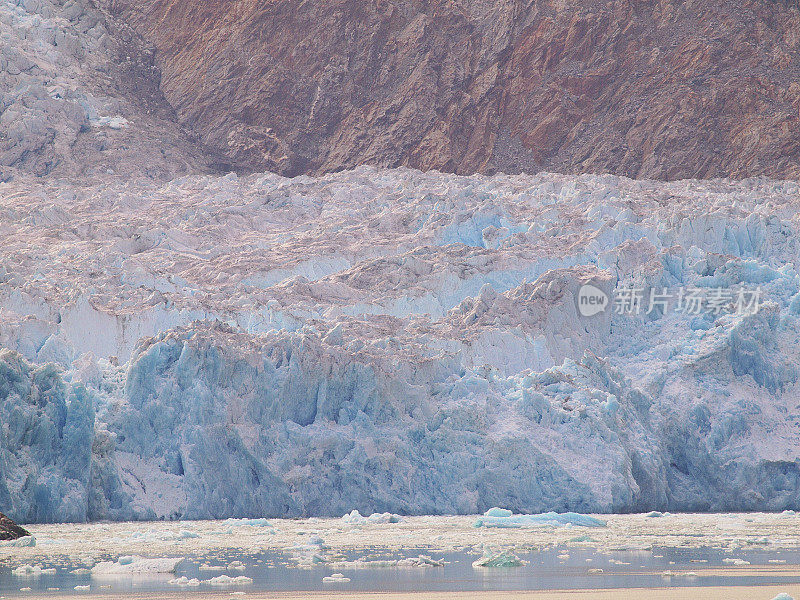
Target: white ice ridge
<point>389,341</point>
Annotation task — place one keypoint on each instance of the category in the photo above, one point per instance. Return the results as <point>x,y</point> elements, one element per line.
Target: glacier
<point>392,341</point>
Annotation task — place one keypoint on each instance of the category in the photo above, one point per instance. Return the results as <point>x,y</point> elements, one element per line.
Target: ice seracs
<point>400,342</point>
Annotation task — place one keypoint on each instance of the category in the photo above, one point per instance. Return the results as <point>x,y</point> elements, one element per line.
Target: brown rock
<point>663,89</point>
<point>10,530</point>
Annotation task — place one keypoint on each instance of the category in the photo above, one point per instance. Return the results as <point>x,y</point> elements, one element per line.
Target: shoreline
<point>673,593</point>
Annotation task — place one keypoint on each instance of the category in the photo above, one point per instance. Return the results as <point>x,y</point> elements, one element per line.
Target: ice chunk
<point>32,571</point>
<point>22,542</point>
<point>226,580</point>
<point>336,578</point>
<point>736,561</point>
<point>355,518</point>
<point>501,558</point>
<point>129,565</point>
<point>549,519</point>
<point>184,582</point>
<point>310,553</point>
<point>249,522</point>
<point>423,560</point>
<point>498,512</point>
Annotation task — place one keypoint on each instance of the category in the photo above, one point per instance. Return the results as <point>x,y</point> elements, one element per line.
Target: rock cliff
<point>661,89</point>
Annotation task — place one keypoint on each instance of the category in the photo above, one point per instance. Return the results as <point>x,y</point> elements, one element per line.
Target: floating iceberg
<point>423,560</point>
<point>220,581</point>
<point>185,582</point>
<point>226,580</point>
<point>23,542</point>
<point>736,561</point>
<point>502,558</point>
<point>355,518</point>
<point>498,518</point>
<point>498,512</point>
<point>32,571</point>
<point>249,522</point>
<point>136,565</point>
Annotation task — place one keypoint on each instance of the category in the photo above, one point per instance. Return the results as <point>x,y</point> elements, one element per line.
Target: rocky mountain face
<point>662,89</point>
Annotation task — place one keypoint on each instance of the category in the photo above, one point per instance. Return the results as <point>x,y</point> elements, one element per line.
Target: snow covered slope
<point>80,97</point>
<point>388,340</point>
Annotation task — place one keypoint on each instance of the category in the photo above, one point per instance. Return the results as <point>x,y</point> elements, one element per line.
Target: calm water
<point>545,570</point>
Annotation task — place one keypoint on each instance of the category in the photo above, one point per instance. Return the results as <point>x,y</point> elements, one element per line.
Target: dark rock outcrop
<point>663,89</point>
<point>10,530</point>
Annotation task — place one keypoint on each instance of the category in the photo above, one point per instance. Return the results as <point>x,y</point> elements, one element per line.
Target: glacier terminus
<point>393,341</point>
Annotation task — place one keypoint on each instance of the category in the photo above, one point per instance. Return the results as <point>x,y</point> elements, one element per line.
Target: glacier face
<point>392,341</point>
